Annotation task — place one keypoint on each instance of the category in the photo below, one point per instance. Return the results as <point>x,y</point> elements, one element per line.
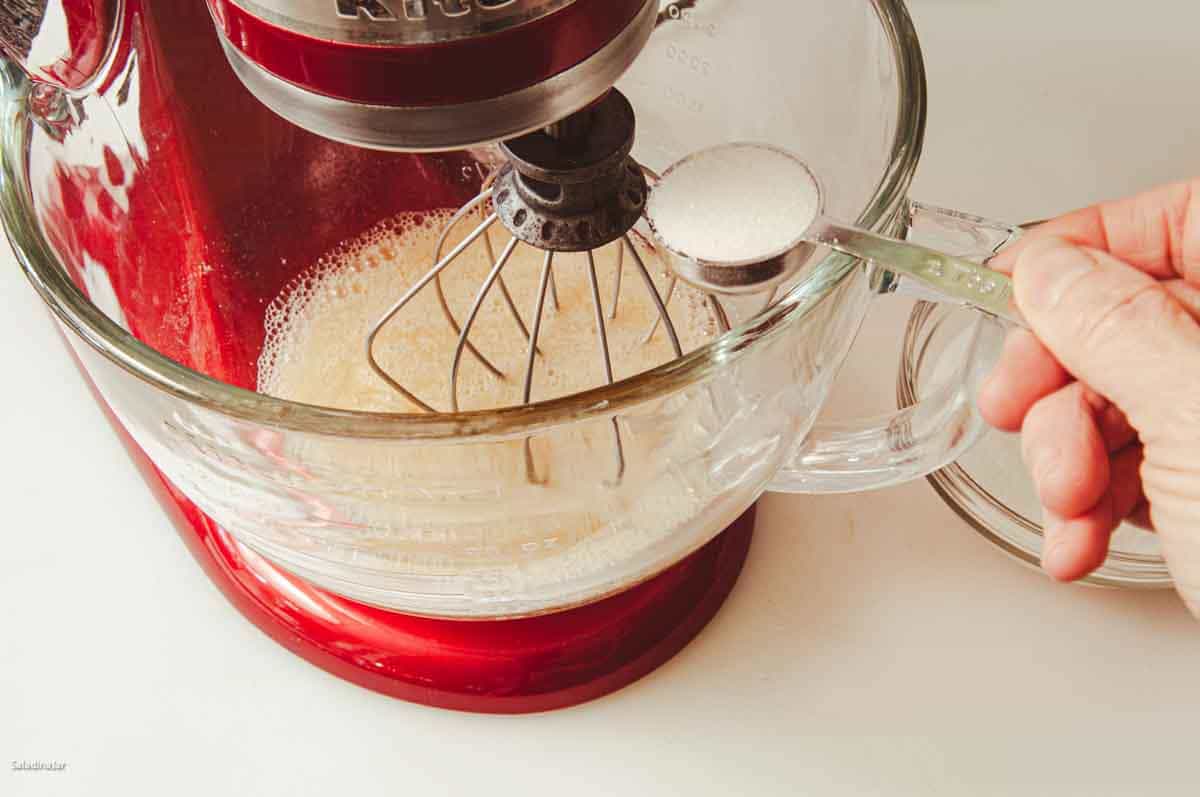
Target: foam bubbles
<point>315,330</point>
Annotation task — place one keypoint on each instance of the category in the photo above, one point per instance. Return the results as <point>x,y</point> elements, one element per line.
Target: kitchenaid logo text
<point>414,10</point>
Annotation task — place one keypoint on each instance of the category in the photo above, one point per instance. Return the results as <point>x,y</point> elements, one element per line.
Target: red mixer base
<point>498,667</point>
<point>508,666</point>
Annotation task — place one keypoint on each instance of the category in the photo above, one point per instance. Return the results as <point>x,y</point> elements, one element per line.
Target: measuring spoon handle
<point>955,278</point>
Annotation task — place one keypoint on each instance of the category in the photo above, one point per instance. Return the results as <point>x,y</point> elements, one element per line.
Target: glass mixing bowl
<point>160,210</point>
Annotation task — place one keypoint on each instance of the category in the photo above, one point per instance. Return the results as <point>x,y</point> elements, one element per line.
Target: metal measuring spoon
<point>681,221</point>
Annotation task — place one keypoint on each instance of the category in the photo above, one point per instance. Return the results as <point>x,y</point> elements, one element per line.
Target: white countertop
<point>874,644</point>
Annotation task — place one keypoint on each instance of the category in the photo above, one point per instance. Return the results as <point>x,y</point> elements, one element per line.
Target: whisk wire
<point>547,275</point>
<point>400,304</point>
<point>671,286</point>
<point>462,213</point>
<point>606,357</point>
<point>554,291</point>
<point>531,359</point>
<point>508,299</point>
<point>616,300</point>
<point>492,277</point>
<point>663,315</point>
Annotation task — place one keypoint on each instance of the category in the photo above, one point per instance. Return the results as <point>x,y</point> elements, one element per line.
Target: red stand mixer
<point>170,178</point>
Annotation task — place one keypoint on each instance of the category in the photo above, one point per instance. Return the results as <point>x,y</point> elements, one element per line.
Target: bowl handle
<point>886,450</point>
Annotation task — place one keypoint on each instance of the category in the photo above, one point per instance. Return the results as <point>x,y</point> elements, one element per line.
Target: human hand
<point>1105,390</point>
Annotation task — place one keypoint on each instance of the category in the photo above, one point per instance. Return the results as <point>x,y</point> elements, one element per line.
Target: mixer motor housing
<point>429,75</point>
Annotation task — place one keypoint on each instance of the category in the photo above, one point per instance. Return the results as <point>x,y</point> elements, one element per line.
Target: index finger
<point>1157,232</point>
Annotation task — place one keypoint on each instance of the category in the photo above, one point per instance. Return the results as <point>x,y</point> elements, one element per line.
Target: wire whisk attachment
<point>571,189</point>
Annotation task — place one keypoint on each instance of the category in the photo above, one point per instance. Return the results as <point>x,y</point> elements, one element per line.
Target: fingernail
<point>1047,270</point>
<point>1057,559</point>
<point>1056,553</point>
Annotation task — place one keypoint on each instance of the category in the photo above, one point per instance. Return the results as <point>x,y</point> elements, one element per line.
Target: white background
<point>874,645</point>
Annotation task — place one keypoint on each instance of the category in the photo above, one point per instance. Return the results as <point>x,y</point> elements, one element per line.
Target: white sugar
<point>734,203</point>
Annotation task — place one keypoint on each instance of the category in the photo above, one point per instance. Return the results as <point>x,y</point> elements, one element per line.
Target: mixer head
<point>422,75</point>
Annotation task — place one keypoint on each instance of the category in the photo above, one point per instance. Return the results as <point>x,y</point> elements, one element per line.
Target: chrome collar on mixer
<point>415,75</point>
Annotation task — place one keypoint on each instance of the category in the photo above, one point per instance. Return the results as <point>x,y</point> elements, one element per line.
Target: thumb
<point>1115,328</point>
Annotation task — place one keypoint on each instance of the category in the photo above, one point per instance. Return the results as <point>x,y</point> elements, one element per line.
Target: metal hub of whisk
<point>571,187</point>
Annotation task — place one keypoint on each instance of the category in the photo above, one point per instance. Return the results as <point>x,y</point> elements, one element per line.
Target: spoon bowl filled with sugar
<point>743,218</point>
